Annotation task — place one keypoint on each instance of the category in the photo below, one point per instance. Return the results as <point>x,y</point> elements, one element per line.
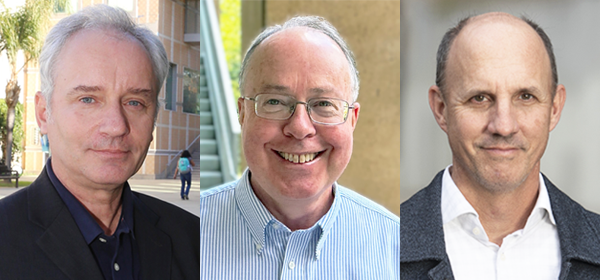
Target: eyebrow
<point>281,88</point>
<point>84,88</point>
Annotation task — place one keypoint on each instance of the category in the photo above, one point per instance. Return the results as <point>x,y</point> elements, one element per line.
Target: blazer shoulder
<point>164,209</point>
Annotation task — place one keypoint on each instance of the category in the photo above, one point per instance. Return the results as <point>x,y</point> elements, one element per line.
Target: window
<point>192,16</point>
<point>171,88</point>
<point>191,91</point>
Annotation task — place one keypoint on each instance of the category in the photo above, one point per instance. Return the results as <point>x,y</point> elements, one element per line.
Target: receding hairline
<point>290,33</point>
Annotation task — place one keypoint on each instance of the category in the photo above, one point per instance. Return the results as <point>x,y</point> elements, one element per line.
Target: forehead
<point>299,59</point>
<point>498,50</point>
<point>95,56</point>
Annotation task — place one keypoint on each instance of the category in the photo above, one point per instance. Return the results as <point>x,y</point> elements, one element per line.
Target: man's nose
<point>299,125</point>
<point>503,119</point>
<point>114,121</point>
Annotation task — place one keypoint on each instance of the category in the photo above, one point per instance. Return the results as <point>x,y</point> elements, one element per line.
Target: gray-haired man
<point>286,218</point>
<point>101,74</point>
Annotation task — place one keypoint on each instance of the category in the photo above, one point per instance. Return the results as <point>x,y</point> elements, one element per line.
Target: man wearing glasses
<point>287,218</point>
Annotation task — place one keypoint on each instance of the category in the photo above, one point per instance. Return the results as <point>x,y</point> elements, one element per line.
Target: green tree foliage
<point>22,31</point>
<point>18,132</point>
<point>231,34</point>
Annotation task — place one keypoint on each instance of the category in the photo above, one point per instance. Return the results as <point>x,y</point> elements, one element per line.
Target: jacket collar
<point>62,242</point>
<point>64,245</point>
<point>577,229</point>
<point>422,233</point>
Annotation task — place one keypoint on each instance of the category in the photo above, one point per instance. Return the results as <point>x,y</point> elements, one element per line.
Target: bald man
<point>491,214</point>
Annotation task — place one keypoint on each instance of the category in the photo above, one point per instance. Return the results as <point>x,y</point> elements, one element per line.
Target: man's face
<point>498,106</point>
<point>303,64</point>
<point>102,109</point>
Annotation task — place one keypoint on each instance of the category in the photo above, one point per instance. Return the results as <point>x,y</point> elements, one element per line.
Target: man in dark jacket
<point>101,74</point>
<point>491,214</point>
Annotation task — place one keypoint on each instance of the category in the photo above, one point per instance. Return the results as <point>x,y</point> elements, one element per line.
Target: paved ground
<point>164,189</point>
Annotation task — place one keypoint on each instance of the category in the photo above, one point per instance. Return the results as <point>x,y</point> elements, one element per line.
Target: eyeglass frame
<point>350,107</point>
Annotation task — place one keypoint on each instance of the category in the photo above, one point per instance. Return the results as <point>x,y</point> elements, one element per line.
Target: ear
<point>41,112</point>
<point>241,110</point>
<point>354,114</point>
<point>558,103</point>
<point>438,107</point>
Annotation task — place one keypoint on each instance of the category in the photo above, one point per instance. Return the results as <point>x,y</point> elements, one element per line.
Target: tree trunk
<point>12,96</point>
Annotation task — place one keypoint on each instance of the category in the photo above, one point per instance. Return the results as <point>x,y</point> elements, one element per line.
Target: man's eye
<point>134,103</point>
<point>273,102</point>
<point>526,96</point>
<point>87,100</point>
<point>324,103</point>
<point>479,98</point>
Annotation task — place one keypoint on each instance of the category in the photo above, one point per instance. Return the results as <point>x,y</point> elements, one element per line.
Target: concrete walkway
<point>164,189</point>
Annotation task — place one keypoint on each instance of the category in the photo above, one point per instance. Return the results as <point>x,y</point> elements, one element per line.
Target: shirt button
<point>476,231</point>
<point>117,267</point>
<point>291,265</point>
<point>502,257</point>
<point>275,226</point>
<point>258,246</point>
<point>102,239</point>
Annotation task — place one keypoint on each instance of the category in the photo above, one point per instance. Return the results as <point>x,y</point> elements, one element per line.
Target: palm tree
<point>23,31</point>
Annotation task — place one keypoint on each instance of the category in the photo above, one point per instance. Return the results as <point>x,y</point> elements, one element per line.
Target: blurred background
<point>372,30</point>
<point>572,157</point>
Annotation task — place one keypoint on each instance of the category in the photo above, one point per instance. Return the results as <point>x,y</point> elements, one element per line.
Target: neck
<point>502,213</point>
<point>103,202</point>
<point>296,214</point>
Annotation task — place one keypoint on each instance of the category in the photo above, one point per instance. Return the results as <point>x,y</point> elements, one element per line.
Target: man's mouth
<point>299,158</point>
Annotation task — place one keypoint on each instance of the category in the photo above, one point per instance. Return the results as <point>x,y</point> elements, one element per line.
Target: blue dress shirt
<point>116,255</point>
<point>240,239</point>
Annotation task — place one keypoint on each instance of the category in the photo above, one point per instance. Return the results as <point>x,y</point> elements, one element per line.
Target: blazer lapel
<point>577,230</point>
<point>154,245</point>
<point>62,241</point>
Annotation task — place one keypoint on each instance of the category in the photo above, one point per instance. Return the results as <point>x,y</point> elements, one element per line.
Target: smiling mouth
<point>299,158</point>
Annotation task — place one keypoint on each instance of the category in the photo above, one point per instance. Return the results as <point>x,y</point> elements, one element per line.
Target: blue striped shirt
<point>240,239</point>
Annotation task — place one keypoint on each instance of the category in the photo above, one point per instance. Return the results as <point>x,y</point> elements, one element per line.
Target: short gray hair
<point>312,22</point>
<point>100,17</point>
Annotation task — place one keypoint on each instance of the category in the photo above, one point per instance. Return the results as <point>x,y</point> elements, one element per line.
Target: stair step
<point>209,163</point>
<point>208,147</point>
<point>203,92</point>
<point>204,105</point>
<point>206,118</point>
<point>210,179</point>
<point>207,132</point>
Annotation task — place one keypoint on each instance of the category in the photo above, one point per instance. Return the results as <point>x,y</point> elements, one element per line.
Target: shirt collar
<point>84,220</point>
<point>258,217</point>
<point>454,204</point>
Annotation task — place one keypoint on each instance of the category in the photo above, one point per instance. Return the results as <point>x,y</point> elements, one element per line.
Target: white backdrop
<point>572,158</point>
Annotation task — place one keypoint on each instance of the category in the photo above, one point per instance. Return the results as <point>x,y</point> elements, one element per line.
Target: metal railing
<point>223,106</point>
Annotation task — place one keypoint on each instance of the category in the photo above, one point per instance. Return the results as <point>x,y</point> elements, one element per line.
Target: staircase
<point>219,128</point>
<point>210,167</point>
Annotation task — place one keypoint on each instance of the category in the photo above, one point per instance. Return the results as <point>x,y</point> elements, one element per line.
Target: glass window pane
<point>171,88</point>
<point>191,91</point>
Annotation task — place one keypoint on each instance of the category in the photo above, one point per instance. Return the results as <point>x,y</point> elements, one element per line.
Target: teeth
<point>295,158</point>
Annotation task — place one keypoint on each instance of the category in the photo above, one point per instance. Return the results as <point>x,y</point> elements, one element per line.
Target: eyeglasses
<point>321,110</point>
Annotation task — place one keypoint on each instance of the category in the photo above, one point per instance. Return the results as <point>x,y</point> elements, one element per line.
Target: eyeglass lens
<point>280,107</point>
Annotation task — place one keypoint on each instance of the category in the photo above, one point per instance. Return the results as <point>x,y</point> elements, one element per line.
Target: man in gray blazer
<point>491,214</point>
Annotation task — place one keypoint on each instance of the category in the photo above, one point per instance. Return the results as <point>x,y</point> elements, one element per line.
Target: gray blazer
<point>423,250</point>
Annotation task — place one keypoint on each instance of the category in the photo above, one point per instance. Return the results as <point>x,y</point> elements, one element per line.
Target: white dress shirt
<point>530,253</point>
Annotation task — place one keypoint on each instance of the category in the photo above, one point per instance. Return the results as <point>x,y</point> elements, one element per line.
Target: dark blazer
<point>39,238</point>
<point>423,250</point>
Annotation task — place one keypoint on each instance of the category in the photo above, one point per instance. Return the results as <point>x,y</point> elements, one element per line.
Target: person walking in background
<point>184,167</point>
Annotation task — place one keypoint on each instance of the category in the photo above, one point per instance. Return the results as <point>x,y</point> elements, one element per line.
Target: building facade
<point>178,123</point>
